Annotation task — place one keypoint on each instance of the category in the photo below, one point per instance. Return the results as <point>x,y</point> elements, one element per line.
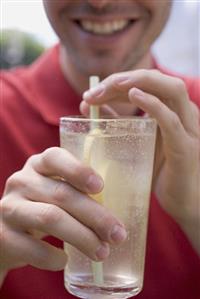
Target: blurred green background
<point>18,48</point>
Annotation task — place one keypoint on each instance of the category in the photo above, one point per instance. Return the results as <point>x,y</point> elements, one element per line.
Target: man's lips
<point>104,28</point>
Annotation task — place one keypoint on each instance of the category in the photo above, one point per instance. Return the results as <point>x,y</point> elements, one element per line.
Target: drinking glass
<point>122,152</point>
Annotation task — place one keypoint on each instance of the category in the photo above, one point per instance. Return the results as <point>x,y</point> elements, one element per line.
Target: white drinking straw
<point>97,267</point>
<point>94,110</point>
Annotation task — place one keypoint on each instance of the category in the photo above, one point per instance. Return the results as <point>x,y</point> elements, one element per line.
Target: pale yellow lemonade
<point>123,155</point>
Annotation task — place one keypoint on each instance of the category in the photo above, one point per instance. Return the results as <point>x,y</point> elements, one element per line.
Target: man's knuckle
<point>145,74</point>
<point>32,159</point>
<point>8,209</point>
<point>16,180</point>
<point>49,154</point>
<point>48,215</point>
<point>112,78</point>
<point>60,192</point>
<point>179,85</point>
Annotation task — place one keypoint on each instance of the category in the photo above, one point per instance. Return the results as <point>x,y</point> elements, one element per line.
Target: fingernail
<point>84,107</point>
<point>138,93</point>
<point>95,183</point>
<point>86,95</point>
<point>94,92</point>
<point>103,251</point>
<point>118,234</point>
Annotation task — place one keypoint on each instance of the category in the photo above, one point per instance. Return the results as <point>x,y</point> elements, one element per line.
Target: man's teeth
<point>104,28</point>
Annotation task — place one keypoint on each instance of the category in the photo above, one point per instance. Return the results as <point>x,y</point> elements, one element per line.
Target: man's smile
<point>106,27</point>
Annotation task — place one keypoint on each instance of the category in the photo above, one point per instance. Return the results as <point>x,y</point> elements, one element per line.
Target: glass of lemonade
<point>122,152</point>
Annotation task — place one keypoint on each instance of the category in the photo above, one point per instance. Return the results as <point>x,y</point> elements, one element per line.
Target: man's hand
<point>177,165</point>
<point>49,197</point>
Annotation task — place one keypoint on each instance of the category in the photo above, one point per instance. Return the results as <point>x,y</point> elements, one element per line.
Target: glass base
<point>93,292</point>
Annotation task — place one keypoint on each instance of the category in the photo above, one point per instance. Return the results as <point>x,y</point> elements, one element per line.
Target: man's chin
<point>107,66</point>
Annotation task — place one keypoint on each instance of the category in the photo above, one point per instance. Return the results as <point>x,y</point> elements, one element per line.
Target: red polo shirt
<point>32,101</point>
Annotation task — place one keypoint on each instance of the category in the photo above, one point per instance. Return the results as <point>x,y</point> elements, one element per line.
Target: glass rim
<point>75,118</point>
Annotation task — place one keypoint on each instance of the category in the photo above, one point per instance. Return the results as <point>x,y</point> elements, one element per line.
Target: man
<point>111,39</point>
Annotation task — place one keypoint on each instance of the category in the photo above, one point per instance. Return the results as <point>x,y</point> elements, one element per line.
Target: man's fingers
<point>56,222</point>
<point>106,92</point>
<point>79,205</point>
<point>172,130</point>
<point>58,162</point>
<point>22,249</point>
<point>169,90</point>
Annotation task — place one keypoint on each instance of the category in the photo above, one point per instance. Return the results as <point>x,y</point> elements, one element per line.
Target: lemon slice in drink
<point>89,158</point>
<point>117,174</point>
<point>113,172</point>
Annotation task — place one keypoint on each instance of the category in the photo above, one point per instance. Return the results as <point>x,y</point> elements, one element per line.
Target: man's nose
<point>99,3</point>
